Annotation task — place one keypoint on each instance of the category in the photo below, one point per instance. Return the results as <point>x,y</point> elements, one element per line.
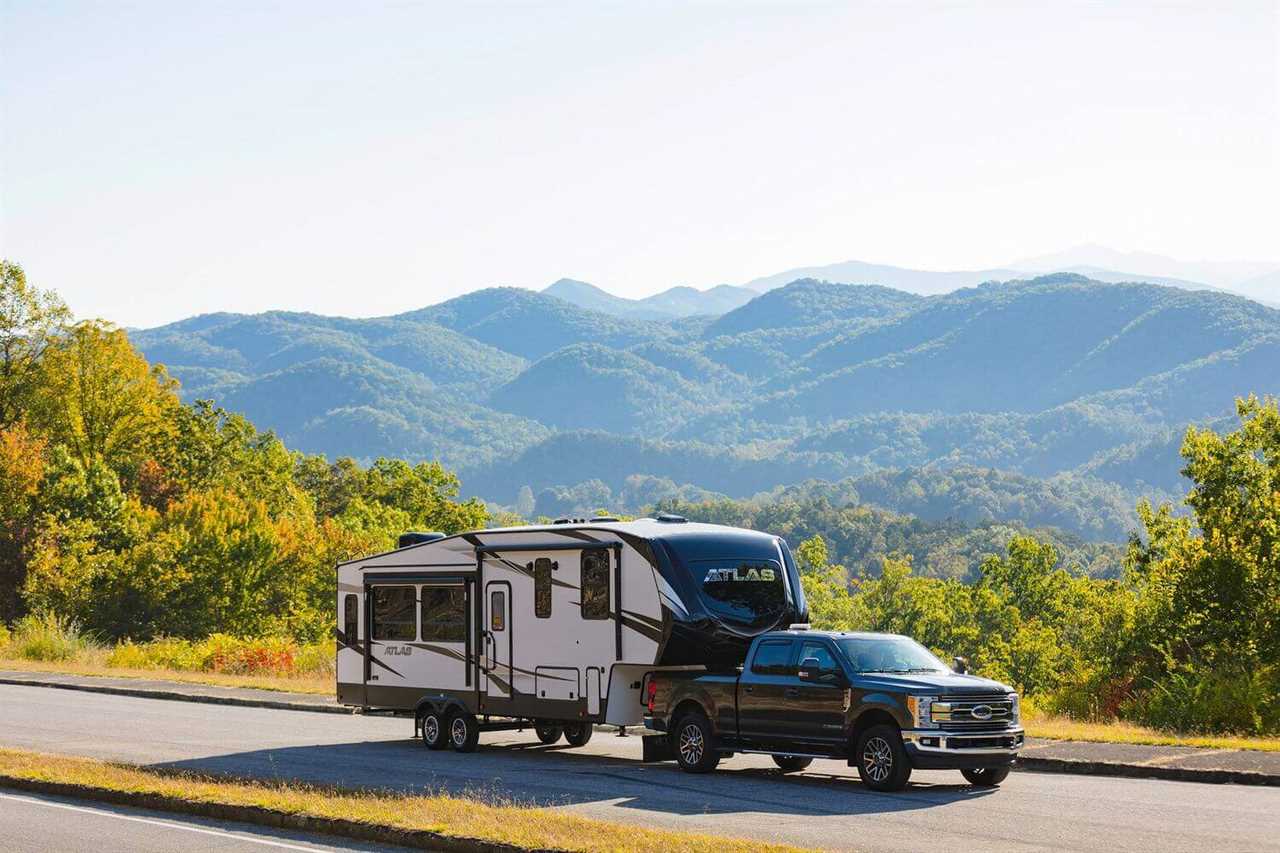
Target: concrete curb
<point>177,696</point>
<point>261,816</point>
<point>1144,771</point>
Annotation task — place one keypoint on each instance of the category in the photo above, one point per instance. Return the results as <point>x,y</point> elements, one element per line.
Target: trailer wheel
<point>433,731</point>
<point>577,734</point>
<point>694,744</point>
<point>792,763</point>
<point>464,732</point>
<point>548,733</point>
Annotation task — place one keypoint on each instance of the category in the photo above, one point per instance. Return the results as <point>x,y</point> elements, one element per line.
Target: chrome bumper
<point>942,742</point>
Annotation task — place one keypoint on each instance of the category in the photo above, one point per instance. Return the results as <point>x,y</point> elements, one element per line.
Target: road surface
<point>30,823</point>
<point>824,807</point>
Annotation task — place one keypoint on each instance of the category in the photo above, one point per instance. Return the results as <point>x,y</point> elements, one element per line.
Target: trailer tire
<point>882,760</point>
<point>434,733</point>
<point>577,734</point>
<point>693,743</point>
<point>548,733</point>
<point>464,732</point>
<point>792,763</point>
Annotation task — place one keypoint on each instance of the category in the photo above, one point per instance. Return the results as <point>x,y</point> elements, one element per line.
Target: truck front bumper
<point>937,749</point>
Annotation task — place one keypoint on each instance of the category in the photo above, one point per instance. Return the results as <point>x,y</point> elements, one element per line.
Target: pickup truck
<point>882,701</point>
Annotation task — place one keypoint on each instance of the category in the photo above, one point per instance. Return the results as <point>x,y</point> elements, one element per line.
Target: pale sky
<point>168,159</point>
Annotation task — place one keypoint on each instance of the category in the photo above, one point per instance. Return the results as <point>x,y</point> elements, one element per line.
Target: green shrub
<point>4,639</point>
<point>316,658</point>
<point>1211,700</point>
<point>45,637</point>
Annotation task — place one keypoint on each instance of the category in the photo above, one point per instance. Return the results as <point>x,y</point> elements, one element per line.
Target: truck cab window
<point>826,660</point>
<point>595,584</point>
<point>444,614</point>
<point>393,613</point>
<point>542,568</point>
<point>773,657</point>
<point>351,618</point>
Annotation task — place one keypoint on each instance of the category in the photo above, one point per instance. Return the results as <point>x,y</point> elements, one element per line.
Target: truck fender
<point>698,695</point>
<point>878,704</point>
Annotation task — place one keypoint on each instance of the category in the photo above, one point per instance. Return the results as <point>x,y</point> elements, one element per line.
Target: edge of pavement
<point>1087,762</point>
<point>263,816</point>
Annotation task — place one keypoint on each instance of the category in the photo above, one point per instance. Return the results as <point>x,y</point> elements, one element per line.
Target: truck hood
<point>940,683</point>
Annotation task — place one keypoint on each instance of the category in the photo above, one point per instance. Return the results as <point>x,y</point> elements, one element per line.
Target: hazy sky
<point>162,160</point>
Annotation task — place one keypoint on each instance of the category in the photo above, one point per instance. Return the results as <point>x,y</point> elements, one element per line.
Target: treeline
<point>136,515</point>
<point>1187,639</point>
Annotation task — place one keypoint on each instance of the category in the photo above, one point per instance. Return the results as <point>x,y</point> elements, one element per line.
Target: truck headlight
<point>1015,709</point>
<point>922,710</point>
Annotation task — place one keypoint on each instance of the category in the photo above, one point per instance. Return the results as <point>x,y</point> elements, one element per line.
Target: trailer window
<point>350,619</point>
<point>497,610</point>
<point>773,658</point>
<point>393,612</point>
<point>749,591</point>
<point>595,584</point>
<point>444,614</point>
<point>542,568</point>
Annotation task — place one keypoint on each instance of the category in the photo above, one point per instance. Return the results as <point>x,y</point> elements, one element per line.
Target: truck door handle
<point>792,692</point>
<point>748,689</point>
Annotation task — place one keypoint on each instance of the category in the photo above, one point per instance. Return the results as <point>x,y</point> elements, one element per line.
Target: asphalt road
<point>824,807</point>
<point>31,823</point>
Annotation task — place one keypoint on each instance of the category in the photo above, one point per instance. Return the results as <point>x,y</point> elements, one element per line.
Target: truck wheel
<point>548,732</point>
<point>694,744</point>
<point>433,731</point>
<point>792,763</point>
<point>882,762</point>
<point>464,732</point>
<point>577,734</point>
<point>986,777</point>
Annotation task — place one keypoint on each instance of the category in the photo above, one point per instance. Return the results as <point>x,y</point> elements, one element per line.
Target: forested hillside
<point>1057,387</point>
<point>189,539</point>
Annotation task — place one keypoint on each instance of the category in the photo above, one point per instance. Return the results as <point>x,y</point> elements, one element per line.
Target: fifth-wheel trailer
<point>553,627</point>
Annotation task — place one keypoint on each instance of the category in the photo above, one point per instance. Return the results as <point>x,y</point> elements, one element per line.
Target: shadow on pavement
<point>533,774</point>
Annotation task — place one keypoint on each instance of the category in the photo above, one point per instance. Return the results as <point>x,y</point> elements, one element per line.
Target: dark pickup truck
<point>881,701</point>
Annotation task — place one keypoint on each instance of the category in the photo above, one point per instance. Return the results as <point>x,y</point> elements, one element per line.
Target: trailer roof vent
<point>563,521</point>
<point>668,518</point>
<point>605,518</point>
<point>416,538</point>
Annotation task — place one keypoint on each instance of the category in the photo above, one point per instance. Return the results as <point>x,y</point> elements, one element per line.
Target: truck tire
<point>577,734</point>
<point>548,733</point>
<point>434,734</point>
<point>882,762</point>
<point>985,777</point>
<point>694,745</point>
<point>792,763</point>
<point>464,732</point>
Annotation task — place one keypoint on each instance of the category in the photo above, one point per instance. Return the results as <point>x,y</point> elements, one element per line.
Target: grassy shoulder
<point>448,816</point>
<point>1065,728</point>
<point>314,684</point>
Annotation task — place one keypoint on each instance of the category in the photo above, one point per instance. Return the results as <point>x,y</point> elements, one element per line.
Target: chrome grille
<point>973,713</point>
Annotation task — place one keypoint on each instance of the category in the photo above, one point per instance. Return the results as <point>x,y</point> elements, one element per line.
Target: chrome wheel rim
<point>877,759</point>
<point>692,745</point>
<point>431,729</point>
<point>459,731</point>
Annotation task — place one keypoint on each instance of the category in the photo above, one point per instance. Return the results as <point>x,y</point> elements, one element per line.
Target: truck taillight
<point>652,693</point>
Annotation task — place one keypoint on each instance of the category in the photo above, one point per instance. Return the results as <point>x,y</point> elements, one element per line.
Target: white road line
<point>198,829</point>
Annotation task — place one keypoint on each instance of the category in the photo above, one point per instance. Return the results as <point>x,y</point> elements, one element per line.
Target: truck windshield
<point>888,654</point>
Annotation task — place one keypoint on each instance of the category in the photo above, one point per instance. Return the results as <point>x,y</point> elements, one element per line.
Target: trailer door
<point>497,639</point>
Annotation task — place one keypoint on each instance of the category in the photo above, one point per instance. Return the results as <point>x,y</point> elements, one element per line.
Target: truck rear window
<point>745,590</point>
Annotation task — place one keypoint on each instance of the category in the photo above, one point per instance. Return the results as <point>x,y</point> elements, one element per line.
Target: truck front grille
<point>973,713</point>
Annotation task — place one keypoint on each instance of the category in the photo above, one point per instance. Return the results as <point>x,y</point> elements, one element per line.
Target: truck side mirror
<point>810,669</point>
<point>961,665</point>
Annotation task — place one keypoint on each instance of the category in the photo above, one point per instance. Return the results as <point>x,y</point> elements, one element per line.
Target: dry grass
<point>323,685</point>
<point>1065,728</point>
<point>451,816</point>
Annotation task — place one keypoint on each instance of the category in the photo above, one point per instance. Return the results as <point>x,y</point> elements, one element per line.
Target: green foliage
<point>47,637</point>
<point>30,321</point>
<point>279,656</point>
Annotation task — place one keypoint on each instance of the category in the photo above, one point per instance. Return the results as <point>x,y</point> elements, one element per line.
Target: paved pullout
<point>37,824</point>
<point>823,807</point>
